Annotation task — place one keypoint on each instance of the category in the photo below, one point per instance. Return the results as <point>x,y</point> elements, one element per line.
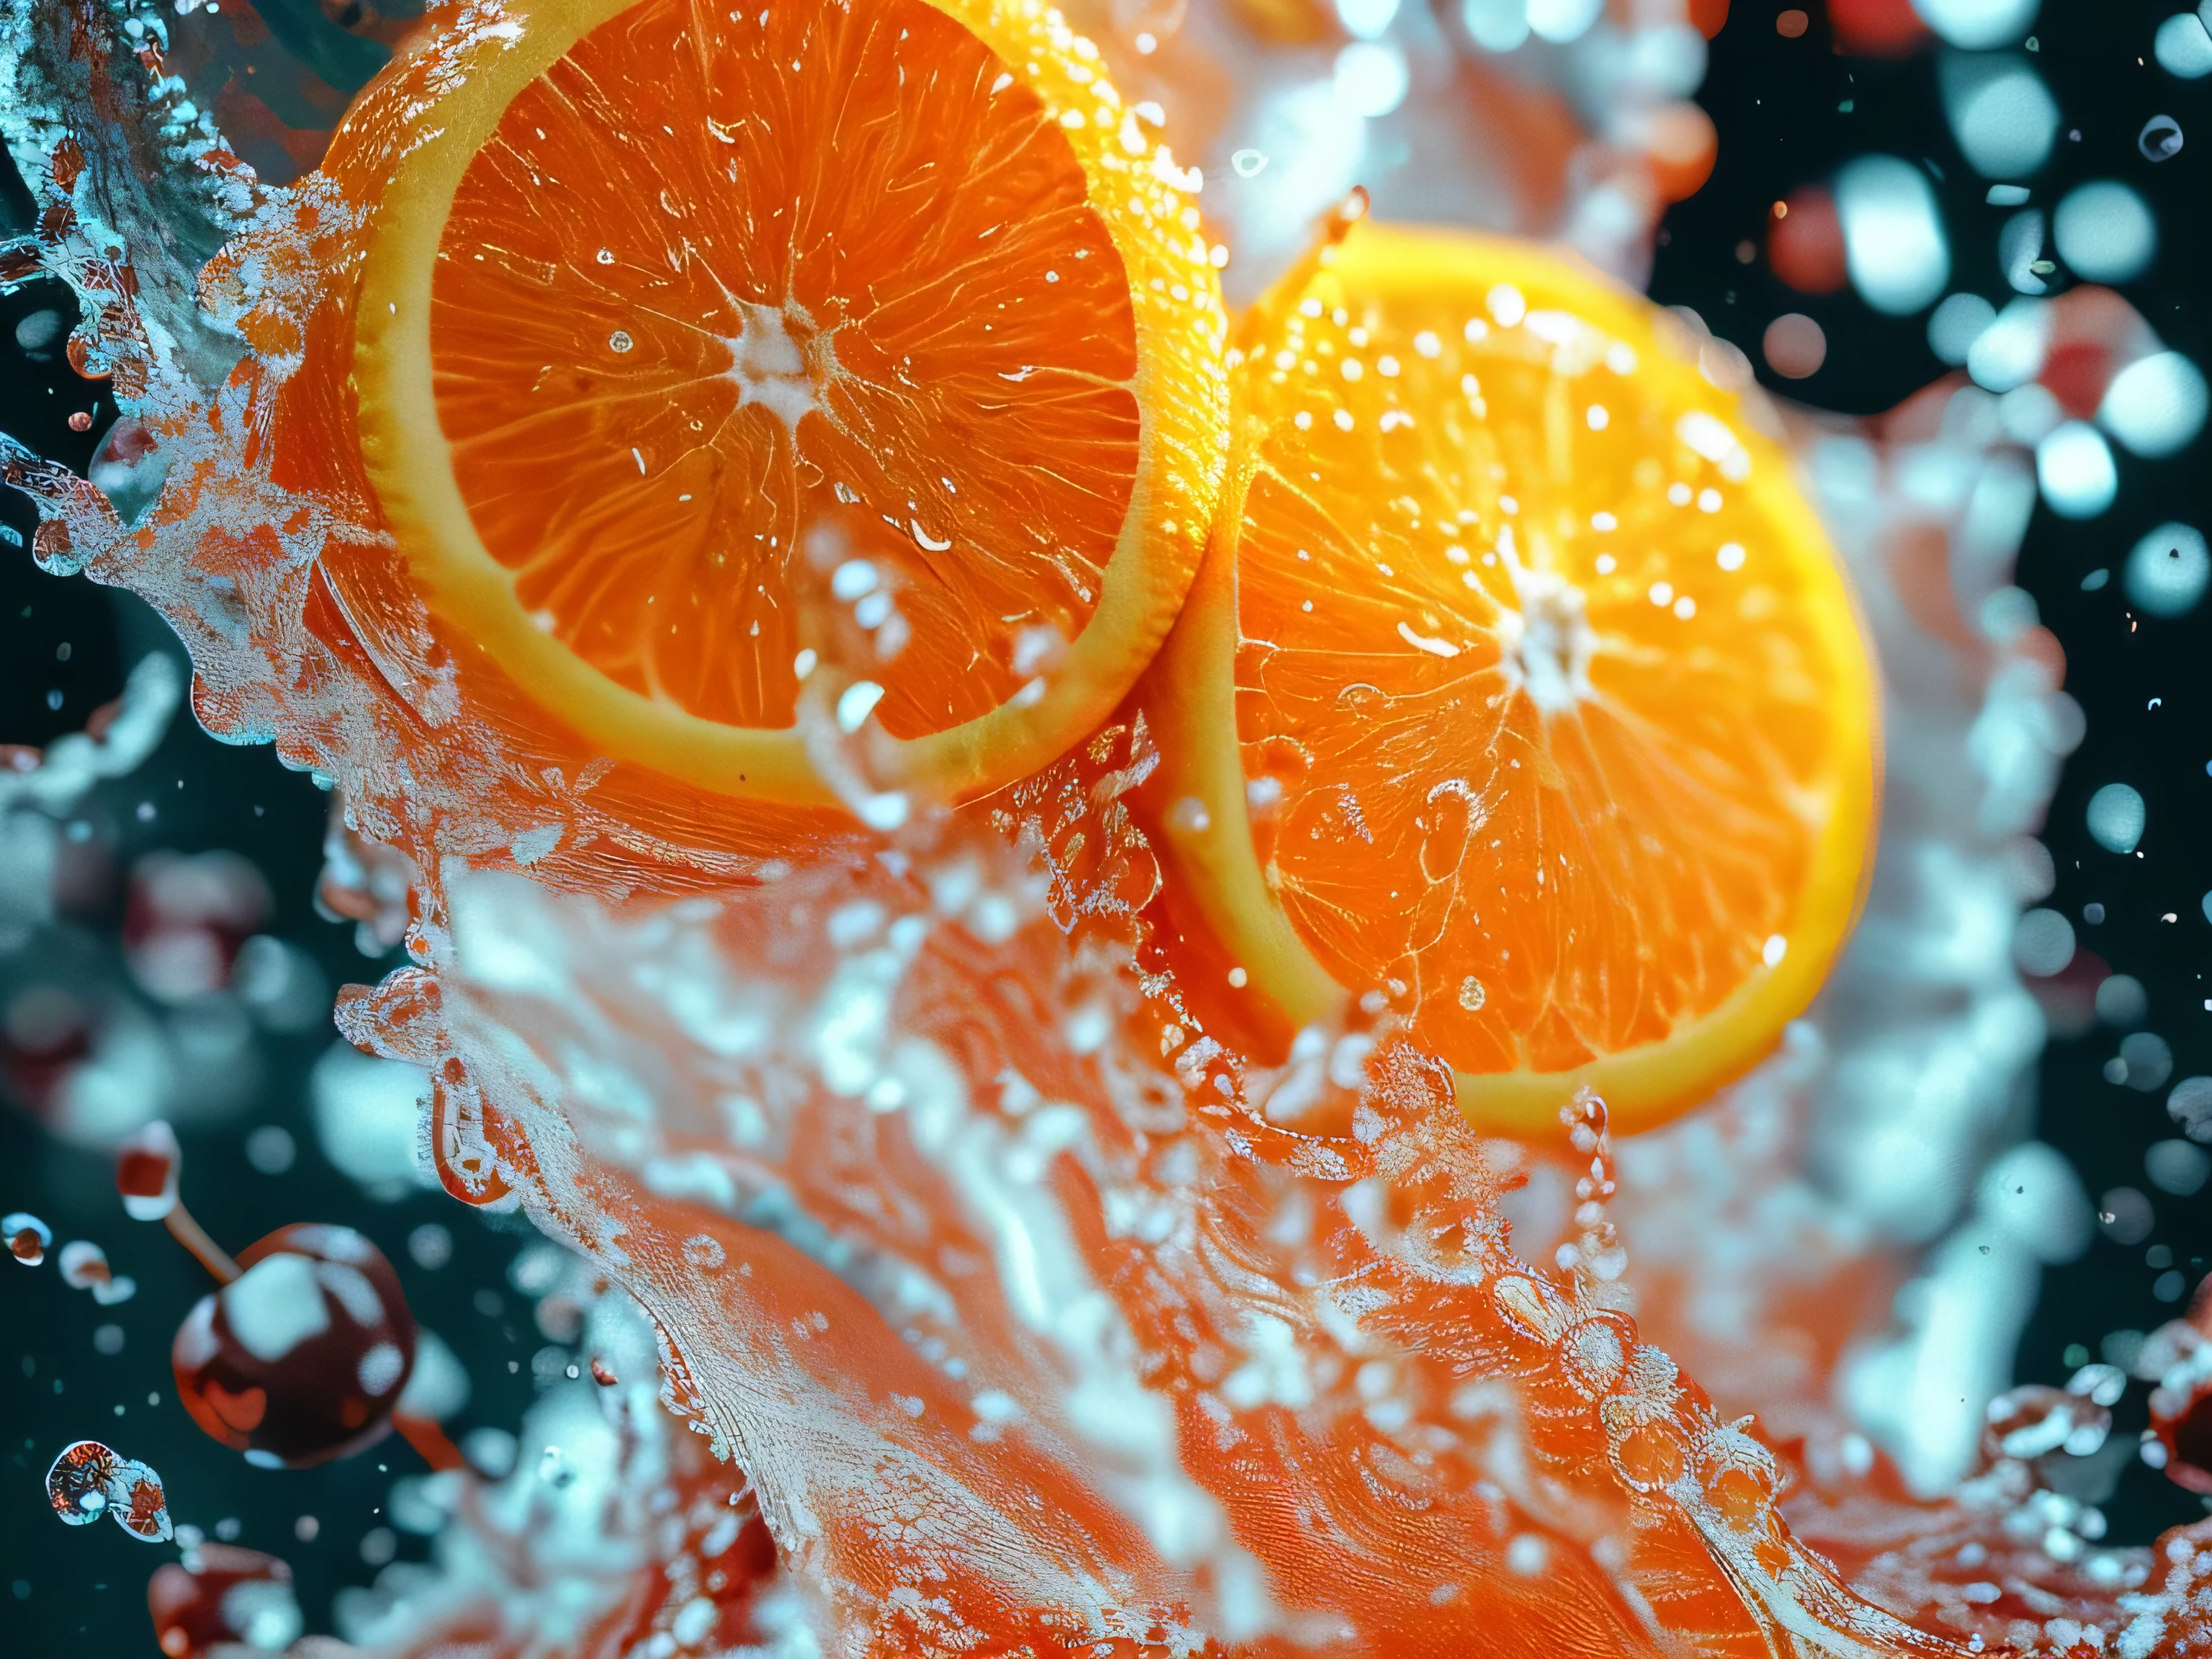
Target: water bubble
<point>2125,1215</point>
<point>2156,405</point>
<point>2019,252</point>
<point>2160,139</point>
<point>2011,351</point>
<point>1977,25</point>
<point>1956,323</point>
<point>1796,346</point>
<point>2116,817</point>
<point>2001,114</point>
<point>2147,1059</point>
<point>853,579</point>
<point>270,1149</point>
<point>855,702</point>
<point>491,1452</point>
<point>35,333</point>
<point>2183,47</point>
<point>2121,1002</point>
<point>2043,944</point>
<point>1248,163</point>
<point>1367,20</point>
<point>1895,245</point>
<point>430,1246</point>
<point>2168,569</point>
<point>1496,25</point>
<point>2106,232</point>
<point>1371,78</point>
<point>1563,21</point>
<point>84,1265</point>
<point>620,340</point>
<point>29,1237</point>
<point>2177,1167</point>
<point>2074,469</point>
<point>366,1110</point>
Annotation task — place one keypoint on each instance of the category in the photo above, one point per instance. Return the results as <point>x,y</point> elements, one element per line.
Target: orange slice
<point>1520,684</point>
<point>697,347</point>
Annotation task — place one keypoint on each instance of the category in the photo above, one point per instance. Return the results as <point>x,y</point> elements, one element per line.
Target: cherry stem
<point>193,1237</point>
<point>429,1441</point>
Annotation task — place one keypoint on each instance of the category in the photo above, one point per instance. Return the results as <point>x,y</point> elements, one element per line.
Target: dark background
<point>1775,102</point>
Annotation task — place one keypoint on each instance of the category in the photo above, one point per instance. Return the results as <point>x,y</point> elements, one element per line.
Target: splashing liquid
<point>1035,1317</point>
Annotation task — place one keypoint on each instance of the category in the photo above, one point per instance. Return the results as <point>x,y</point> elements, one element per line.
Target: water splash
<point>1025,1313</point>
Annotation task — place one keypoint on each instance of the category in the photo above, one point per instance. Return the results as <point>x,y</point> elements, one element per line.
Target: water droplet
<point>620,340</point>
<point>855,701</point>
<point>2117,817</point>
<point>28,1236</point>
<point>2160,139</point>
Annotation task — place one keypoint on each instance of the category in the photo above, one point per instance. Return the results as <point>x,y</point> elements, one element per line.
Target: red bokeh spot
<point>1876,28</point>
<point>1805,244</point>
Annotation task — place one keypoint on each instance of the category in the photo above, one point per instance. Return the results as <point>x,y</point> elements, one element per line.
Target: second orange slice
<point>1520,684</point>
<point>702,352</point>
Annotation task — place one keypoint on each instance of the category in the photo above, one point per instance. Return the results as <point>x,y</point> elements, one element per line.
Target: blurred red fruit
<point>224,1599</point>
<point>302,1357</point>
<point>1876,28</point>
<point>1805,242</point>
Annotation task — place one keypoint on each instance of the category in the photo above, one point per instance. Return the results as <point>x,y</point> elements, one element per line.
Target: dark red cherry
<point>225,1600</point>
<point>301,1358</point>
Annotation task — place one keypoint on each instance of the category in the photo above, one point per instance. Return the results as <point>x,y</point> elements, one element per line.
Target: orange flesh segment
<point>1554,715</point>
<point>715,317</point>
